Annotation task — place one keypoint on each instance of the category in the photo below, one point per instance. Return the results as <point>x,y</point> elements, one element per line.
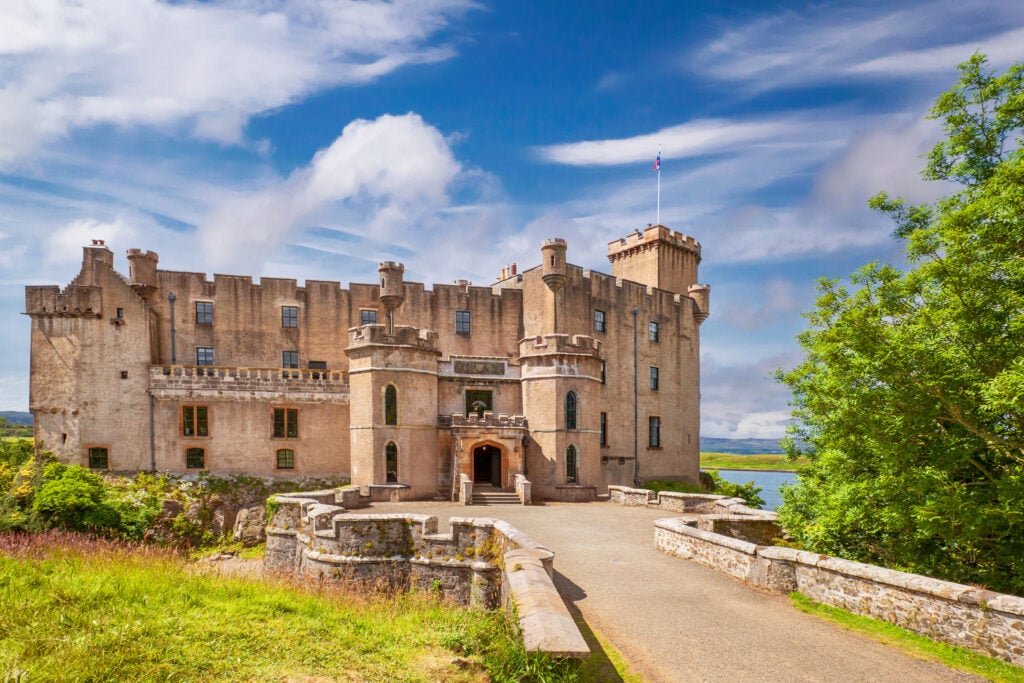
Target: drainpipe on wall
<point>171,298</point>
<point>636,405</point>
<point>152,435</point>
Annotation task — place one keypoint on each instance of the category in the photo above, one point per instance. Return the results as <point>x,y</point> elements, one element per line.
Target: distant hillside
<point>16,417</point>
<point>711,444</point>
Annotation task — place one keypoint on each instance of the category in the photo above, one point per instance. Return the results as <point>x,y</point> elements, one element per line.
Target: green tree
<point>910,400</point>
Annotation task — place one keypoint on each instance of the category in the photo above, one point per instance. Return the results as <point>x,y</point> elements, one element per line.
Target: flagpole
<point>659,185</point>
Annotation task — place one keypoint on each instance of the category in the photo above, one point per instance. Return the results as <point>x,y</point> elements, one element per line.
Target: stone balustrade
<point>171,381</point>
<point>488,419</point>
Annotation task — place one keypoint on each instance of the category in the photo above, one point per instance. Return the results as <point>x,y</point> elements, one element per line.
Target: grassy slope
<point>761,461</point>
<point>95,612</point>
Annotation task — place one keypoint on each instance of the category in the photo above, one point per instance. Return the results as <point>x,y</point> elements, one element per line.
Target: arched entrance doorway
<point>487,465</point>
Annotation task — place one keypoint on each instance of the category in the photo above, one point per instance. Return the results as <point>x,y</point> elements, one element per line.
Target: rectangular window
<point>286,423</point>
<point>653,332</point>
<point>600,321</point>
<point>367,317</point>
<point>195,421</point>
<point>99,458</point>
<point>204,313</point>
<point>286,459</point>
<point>120,313</point>
<point>604,429</point>
<point>204,355</point>
<point>654,378</point>
<point>195,458</point>
<point>654,432</point>
<point>462,322</point>
<point>478,401</point>
<point>604,372</point>
<point>289,316</point>
<point>289,359</point>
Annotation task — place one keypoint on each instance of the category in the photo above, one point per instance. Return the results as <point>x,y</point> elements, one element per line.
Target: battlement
<point>576,344</point>
<point>74,301</point>
<point>148,255</point>
<point>373,335</point>
<point>654,234</point>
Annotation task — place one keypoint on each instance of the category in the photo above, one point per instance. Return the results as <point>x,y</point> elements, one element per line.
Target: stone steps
<point>493,496</point>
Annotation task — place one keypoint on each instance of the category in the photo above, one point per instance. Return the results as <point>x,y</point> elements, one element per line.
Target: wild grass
<point>919,646</point>
<point>75,607</point>
<point>760,461</point>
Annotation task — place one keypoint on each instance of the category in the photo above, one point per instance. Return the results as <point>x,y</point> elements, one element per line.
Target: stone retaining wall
<point>977,619</point>
<point>311,536</point>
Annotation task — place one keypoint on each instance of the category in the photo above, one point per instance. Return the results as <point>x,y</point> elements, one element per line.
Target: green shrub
<point>748,492</point>
<point>74,498</point>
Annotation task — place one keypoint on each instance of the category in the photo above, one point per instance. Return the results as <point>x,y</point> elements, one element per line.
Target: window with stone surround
<point>289,359</point>
<point>285,459</point>
<point>391,463</point>
<point>571,401</point>
<point>289,316</point>
<point>463,322</point>
<point>600,321</point>
<point>367,317</point>
<point>195,421</point>
<point>390,405</point>
<point>604,429</point>
<point>653,431</point>
<point>655,378</point>
<point>653,332</point>
<point>99,457</point>
<point>204,313</point>
<point>195,458</point>
<point>286,423</point>
<point>604,372</point>
<point>204,355</point>
<point>571,465</point>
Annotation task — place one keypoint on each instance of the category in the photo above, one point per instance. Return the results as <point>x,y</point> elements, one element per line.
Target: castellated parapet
<point>372,335</point>
<point>75,300</point>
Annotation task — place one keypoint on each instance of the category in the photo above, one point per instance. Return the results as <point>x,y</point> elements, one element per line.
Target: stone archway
<point>487,465</point>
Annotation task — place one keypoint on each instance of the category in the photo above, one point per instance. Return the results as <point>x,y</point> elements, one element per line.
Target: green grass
<point>75,608</point>
<point>760,461</point>
<point>912,643</point>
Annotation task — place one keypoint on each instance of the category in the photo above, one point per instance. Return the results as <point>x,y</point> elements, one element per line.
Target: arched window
<point>570,410</point>
<point>571,465</point>
<point>391,405</point>
<point>391,463</point>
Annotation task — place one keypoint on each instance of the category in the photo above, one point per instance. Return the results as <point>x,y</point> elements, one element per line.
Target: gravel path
<point>676,620</point>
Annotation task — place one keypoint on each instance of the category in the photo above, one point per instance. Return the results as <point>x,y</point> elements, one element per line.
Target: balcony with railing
<point>488,419</point>
<point>170,381</point>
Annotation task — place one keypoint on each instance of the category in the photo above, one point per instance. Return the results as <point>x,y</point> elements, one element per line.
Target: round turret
<point>553,263</point>
<point>392,284</point>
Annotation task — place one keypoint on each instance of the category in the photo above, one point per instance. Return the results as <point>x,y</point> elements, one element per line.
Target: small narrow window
<point>286,423</point>
<point>604,372</point>
<point>653,332</point>
<point>367,317</point>
<point>124,374</point>
<point>195,458</point>
<point>604,429</point>
<point>285,459</point>
<point>655,375</point>
<point>289,316</point>
<point>391,463</point>
<point>289,359</point>
<point>390,405</point>
<point>120,313</point>
<point>462,322</point>
<point>600,321</point>
<point>204,313</point>
<point>570,410</point>
<point>654,431</point>
<point>99,458</point>
<point>204,355</point>
<point>571,465</point>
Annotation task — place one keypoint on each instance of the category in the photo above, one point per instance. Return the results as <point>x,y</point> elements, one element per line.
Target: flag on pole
<point>657,162</point>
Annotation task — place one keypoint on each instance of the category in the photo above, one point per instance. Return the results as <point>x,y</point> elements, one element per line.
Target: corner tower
<point>656,257</point>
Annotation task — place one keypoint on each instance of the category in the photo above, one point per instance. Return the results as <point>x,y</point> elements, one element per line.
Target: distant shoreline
<point>744,469</point>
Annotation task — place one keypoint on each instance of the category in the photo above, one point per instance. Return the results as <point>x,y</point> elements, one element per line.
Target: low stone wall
<point>312,537</point>
<point>623,495</point>
<point>524,489</point>
<point>977,619</point>
<point>575,493</point>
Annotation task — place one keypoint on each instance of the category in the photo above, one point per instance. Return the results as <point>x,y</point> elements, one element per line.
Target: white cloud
<point>208,66</point>
<point>829,43</point>
<point>64,246</point>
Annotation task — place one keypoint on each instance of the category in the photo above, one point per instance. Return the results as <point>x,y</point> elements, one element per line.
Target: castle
<point>569,379</point>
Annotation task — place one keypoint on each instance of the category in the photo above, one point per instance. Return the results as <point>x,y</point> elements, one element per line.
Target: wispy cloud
<point>202,68</point>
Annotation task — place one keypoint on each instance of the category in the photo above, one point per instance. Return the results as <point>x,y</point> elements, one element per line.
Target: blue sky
<point>313,139</point>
